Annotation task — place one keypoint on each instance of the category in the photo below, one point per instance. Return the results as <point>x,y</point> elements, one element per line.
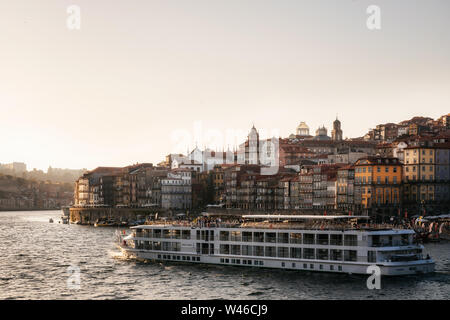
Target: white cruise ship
<point>313,243</point>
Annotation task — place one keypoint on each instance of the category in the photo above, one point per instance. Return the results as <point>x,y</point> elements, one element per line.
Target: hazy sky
<point>116,91</point>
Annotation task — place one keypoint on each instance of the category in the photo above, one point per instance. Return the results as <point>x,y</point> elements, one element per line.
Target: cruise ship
<point>313,243</point>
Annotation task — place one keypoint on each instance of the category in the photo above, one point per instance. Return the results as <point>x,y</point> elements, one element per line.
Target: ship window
<point>308,253</point>
<point>295,238</point>
<point>336,255</point>
<point>159,256</point>
<point>308,238</point>
<point>247,250</point>
<point>236,249</point>
<point>271,237</point>
<point>311,266</point>
<point>305,266</point>
<point>322,239</point>
<point>224,249</point>
<point>224,236</point>
<point>350,240</point>
<point>157,233</point>
<point>184,258</point>
<point>236,236</point>
<point>186,234</point>
<point>283,252</point>
<point>258,251</point>
<point>349,255</point>
<point>222,260</point>
<point>249,261</point>
<point>321,267</point>
<point>336,239</point>
<point>371,256</point>
<point>227,260</point>
<point>322,254</point>
<point>258,236</point>
<point>331,267</point>
<point>247,236</point>
<point>340,268</point>
<point>282,264</point>
<point>283,237</point>
<point>293,265</point>
<point>188,258</point>
<point>270,252</point>
<point>296,253</point>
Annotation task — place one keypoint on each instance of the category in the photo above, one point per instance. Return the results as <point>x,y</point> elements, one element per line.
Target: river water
<point>36,257</point>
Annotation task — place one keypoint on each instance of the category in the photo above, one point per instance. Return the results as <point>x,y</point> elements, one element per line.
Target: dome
<point>302,129</point>
<point>302,125</point>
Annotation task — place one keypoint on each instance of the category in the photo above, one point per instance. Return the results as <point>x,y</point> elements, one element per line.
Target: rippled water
<point>35,256</point>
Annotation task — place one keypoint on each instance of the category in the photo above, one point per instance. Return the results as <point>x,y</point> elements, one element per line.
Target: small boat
<point>107,223</point>
<point>65,220</point>
<point>51,220</point>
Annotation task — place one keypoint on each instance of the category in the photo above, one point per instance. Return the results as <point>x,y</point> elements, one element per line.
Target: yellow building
<point>419,173</point>
<point>379,180</point>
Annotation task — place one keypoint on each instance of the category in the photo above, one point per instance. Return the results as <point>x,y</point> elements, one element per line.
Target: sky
<point>142,79</point>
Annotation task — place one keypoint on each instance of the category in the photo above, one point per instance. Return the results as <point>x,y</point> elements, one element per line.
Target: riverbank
<point>29,209</point>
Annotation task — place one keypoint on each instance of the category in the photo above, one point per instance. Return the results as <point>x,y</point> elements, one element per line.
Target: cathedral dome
<point>302,129</point>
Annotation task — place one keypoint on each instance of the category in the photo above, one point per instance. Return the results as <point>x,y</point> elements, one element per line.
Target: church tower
<point>336,133</point>
<point>252,147</point>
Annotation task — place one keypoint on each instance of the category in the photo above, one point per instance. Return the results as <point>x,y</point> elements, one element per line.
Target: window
<point>258,251</point>
<point>270,251</point>
<point>322,254</point>
<point>236,249</point>
<point>247,236</point>
<point>308,253</point>
<point>258,237</point>
<point>295,238</point>
<point>283,237</point>
<point>224,249</point>
<point>247,250</point>
<point>296,253</point>
<point>308,238</point>
<point>271,237</point>
<point>349,255</point>
<point>283,252</point>
<point>322,239</point>
<point>236,236</point>
<point>350,240</point>
<point>224,235</point>
<point>371,256</point>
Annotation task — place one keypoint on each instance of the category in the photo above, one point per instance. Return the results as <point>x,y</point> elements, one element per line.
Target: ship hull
<point>386,269</point>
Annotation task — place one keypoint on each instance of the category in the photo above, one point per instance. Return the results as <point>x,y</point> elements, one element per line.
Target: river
<point>36,255</point>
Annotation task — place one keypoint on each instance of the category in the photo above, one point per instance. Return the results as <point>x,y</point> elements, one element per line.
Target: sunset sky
<point>137,73</point>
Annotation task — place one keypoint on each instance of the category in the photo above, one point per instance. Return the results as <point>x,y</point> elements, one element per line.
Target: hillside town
<point>393,170</point>
<point>35,190</point>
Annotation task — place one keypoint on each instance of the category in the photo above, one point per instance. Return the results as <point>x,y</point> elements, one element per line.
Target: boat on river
<point>310,243</point>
